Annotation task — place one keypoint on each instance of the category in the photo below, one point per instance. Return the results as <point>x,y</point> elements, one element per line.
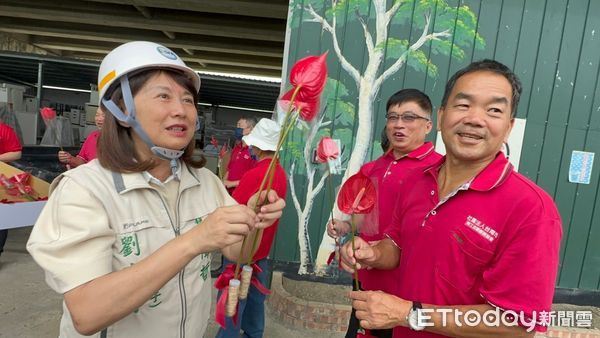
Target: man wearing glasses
<point>408,121</point>
<point>475,244</point>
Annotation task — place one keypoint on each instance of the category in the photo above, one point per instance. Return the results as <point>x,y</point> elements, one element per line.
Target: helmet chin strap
<point>164,153</point>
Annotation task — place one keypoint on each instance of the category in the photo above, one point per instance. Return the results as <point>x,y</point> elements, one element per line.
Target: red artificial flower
<point>327,150</point>
<point>214,142</point>
<point>18,186</point>
<point>308,77</point>
<point>308,109</point>
<point>48,114</point>
<point>358,195</point>
<point>223,151</point>
<point>310,74</point>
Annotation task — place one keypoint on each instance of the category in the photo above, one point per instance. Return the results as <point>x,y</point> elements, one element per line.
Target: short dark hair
<point>252,121</point>
<point>115,145</point>
<point>493,66</point>
<point>410,95</point>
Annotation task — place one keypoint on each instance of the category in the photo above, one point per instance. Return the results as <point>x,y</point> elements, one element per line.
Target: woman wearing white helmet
<point>127,237</point>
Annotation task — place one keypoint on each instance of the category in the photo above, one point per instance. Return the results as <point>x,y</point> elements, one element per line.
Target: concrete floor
<point>28,308</point>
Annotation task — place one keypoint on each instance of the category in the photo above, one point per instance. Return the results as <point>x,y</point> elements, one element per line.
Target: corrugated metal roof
<point>217,89</point>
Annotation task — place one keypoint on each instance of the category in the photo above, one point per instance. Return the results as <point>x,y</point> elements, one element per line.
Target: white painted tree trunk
<point>368,85</point>
<point>303,218</point>
<point>304,214</point>
<point>362,145</point>
<point>312,191</point>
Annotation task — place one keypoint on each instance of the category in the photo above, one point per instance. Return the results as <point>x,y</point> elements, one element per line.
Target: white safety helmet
<point>125,59</point>
<point>136,55</point>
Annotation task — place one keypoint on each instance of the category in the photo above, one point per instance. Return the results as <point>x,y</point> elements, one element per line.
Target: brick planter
<point>306,314</point>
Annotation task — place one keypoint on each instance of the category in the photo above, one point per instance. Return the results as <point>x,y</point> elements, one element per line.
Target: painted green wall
<point>554,47</point>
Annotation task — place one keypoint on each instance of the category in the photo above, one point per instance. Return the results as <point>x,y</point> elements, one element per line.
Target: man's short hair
<point>251,120</point>
<point>410,95</point>
<point>488,66</point>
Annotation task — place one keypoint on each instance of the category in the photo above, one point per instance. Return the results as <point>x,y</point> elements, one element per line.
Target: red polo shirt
<point>88,149</point>
<point>387,172</point>
<point>249,185</point>
<point>496,240</point>
<point>240,162</point>
<point>9,141</point>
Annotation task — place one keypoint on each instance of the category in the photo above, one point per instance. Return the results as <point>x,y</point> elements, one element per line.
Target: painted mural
<point>392,35</point>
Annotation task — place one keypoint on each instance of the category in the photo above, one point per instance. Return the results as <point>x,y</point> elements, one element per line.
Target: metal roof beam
<point>276,9</point>
<point>182,22</point>
<point>117,35</point>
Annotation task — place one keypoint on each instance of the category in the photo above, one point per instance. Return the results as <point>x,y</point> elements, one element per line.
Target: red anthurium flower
<point>358,195</point>
<point>48,114</point>
<point>310,74</point>
<point>308,109</point>
<point>214,142</point>
<point>327,150</point>
<point>223,150</point>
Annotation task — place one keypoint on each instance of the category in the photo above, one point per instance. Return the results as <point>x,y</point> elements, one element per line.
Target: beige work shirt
<point>97,221</point>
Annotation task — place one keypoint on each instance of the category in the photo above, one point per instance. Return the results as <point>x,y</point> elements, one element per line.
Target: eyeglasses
<point>406,117</point>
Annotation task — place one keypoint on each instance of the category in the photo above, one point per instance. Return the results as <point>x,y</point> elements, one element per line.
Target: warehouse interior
<point>50,53</point>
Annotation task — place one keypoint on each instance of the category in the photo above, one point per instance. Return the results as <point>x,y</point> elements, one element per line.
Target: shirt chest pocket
<point>466,258</point>
<point>138,237</point>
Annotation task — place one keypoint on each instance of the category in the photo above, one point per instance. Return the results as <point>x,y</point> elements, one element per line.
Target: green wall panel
<point>554,48</point>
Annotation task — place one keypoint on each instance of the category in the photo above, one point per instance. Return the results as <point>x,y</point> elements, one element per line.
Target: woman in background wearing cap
<point>127,237</point>
<point>262,141</point>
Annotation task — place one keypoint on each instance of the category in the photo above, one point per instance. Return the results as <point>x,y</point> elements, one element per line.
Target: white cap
<point>264,136</point>
<point>138,55</point>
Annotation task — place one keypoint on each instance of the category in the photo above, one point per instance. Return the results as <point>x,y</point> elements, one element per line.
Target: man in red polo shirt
<point>476,243</point>
<point>10,150</point>
<point>408,114</point>
<point>251,312</point>
<point>241,159</point>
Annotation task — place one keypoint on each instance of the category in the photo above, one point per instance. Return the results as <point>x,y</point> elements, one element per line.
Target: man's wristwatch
<point>412,318</point>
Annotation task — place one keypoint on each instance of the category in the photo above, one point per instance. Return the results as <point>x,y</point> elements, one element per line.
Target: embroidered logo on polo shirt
<point>481,228</point>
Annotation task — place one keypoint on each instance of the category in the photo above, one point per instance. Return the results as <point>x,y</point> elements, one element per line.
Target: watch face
<point>413,320</point>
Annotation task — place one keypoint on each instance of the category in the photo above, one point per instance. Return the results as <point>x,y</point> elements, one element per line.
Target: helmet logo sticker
<point>166,52</point>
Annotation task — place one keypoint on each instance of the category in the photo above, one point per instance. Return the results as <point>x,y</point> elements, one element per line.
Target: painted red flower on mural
<point>327,150</point>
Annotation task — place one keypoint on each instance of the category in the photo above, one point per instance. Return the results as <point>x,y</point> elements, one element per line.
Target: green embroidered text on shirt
<point>130,243</point>
<point>204,271</point>
<point>155,300</point>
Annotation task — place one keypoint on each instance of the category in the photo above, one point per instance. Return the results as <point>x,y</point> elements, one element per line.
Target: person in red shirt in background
<point>88,149</point>
<point>10,147</point>
<point>475,242</point>
<point>10,150</point>
<point>241,159</point>
<point>263,142</point>
<point>408,114</point>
